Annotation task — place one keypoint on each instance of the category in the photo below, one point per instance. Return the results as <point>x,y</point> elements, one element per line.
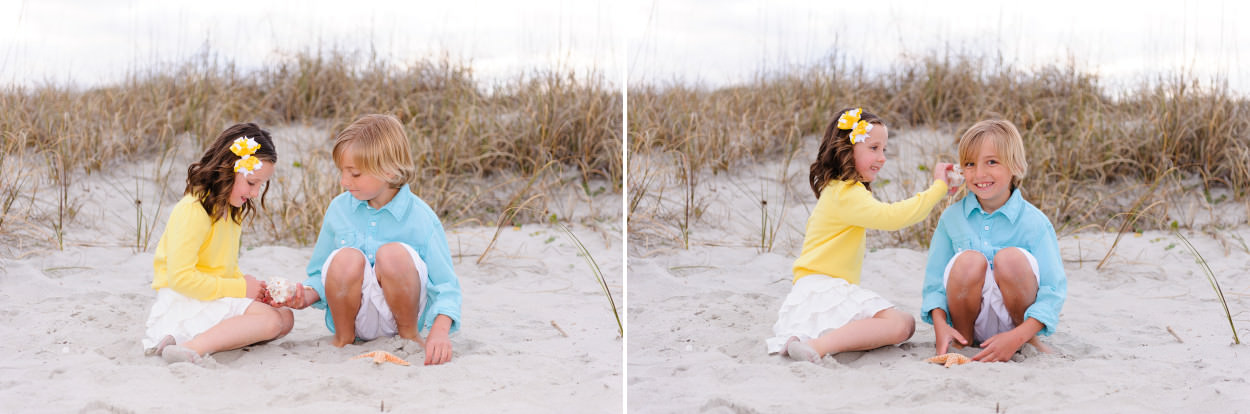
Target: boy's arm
<point>1052,286</point>
<point>941,250</point>
<point>868,212</point>
<point>322,250</point>
<point>444,289</point>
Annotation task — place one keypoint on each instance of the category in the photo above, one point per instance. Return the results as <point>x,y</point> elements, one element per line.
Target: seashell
<point>280,289</point>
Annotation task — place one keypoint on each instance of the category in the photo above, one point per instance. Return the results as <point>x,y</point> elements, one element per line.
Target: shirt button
<point>987,227</point>
<point>374,223</point>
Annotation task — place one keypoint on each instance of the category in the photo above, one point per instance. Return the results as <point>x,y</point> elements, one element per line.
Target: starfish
<point>950,360</point>
<point>382,356</point>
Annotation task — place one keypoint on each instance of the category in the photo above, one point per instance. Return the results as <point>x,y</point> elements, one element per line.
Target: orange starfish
<point>382,356</point>
<point>950,360</point>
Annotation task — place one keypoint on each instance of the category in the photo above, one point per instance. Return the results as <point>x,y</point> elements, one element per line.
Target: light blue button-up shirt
<point>965,226</point>
<point>407,219</point>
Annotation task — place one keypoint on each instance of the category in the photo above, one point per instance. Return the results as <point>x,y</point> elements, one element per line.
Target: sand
<point>1145,333</point>
<point>538,334</point>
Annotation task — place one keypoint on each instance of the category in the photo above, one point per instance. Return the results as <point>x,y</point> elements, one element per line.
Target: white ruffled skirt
<point>818,303</point>
<point>183,317</point>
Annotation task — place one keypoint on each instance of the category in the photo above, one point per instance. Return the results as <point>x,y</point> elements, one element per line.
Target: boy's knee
<point>970,265</point>
<point>1012,265</point>
<point>392,258</point>
<point>346,266</point>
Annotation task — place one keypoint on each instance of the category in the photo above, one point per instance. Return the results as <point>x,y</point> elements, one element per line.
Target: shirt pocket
<point>347,239</point>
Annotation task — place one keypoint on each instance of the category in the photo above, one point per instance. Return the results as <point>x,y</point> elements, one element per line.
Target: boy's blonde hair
<point>1007,141</point>
<point>379,148</point>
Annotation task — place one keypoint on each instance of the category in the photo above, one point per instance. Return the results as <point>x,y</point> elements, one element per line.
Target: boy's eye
<point>992,162</point>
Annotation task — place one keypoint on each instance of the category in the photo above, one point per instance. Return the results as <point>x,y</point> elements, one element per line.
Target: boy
<point>994,274</point>
<point>381,265</point>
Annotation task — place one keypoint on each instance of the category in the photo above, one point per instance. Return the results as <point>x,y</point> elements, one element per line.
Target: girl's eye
<point>968,165</point>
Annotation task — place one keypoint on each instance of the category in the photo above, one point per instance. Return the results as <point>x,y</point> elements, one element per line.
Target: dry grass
<point>461,130</point>
<point>1082,137</point>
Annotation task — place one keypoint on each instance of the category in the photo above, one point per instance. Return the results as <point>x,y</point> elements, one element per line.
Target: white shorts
<point>818,303</point>
<point>374,319</point>
<point>993,318</point>
<point>183,317</point>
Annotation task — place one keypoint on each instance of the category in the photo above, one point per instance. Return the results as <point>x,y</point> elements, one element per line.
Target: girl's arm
<point>185,235</point>
<point>859,208</point>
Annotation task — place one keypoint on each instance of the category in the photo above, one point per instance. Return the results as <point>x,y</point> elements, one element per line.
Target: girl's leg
<point>342,283</point>
<point>401,284</point>
<point>260,322</point>
<point>963,291</point>
<point>887,327</point>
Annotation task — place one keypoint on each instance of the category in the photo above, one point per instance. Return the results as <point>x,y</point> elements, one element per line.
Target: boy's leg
<point>343,283</point>
<point>963,291</point>
<point>260,322</point>
<point>1016,276</point>
<point>401,285</point>
<point>1017,281</point>
<point>887,327</point>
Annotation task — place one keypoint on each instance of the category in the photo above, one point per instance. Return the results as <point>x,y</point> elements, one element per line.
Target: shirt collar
<point>1010,209</point>
<point>397,207</point>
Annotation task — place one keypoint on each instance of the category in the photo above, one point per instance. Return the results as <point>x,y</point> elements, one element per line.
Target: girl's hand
<point>254,287</point>
<point>940,169</point>
<point>945,334</point>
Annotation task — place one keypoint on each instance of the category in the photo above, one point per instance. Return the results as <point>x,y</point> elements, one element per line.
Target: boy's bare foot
<point>339,343</point>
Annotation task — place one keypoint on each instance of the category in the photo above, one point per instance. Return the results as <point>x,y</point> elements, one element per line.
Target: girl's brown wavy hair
<point>212,178</point>
<point>836,159</point>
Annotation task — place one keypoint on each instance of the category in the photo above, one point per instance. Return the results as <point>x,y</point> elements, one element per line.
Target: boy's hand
<point>945,334</point>
<point>303,297</point>
<point>1002,346</point>
<point>437,346</point>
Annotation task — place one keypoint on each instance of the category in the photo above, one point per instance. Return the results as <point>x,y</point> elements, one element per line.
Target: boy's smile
<point>988,177</point>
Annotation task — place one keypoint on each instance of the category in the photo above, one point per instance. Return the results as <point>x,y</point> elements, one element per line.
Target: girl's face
<point>364,187</point>
<point>870,154</point>
<point>247,187</point>
<point>988,177</point>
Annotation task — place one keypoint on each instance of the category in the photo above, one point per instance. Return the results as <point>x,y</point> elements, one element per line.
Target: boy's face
<point>988,177</point>
<point>364,187</point>
<point>870,154</point>
<point>248,186</point>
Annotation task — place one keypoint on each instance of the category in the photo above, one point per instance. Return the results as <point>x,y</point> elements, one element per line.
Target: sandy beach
<point>1145,333</point>
<point>538,334</point>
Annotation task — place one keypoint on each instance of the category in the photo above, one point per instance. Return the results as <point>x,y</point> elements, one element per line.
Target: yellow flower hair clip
<point>244,147</point>
<point>859,128</point>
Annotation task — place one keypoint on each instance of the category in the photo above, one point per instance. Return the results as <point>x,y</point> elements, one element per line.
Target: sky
<point>709,42</point>
<point>727,41</point>
<point>96,42</point>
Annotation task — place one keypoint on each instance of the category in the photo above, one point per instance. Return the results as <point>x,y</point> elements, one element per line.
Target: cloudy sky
<point>89,42</point>
<point>725,41</point>
<point>712,42</point>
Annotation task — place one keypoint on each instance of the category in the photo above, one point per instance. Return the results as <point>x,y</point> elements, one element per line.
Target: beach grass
<point>1090,146</point>
<point>462,131</point>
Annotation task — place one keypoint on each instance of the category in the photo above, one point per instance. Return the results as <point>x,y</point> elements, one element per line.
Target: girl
<point>827,311</point>
<point>204,304</point>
